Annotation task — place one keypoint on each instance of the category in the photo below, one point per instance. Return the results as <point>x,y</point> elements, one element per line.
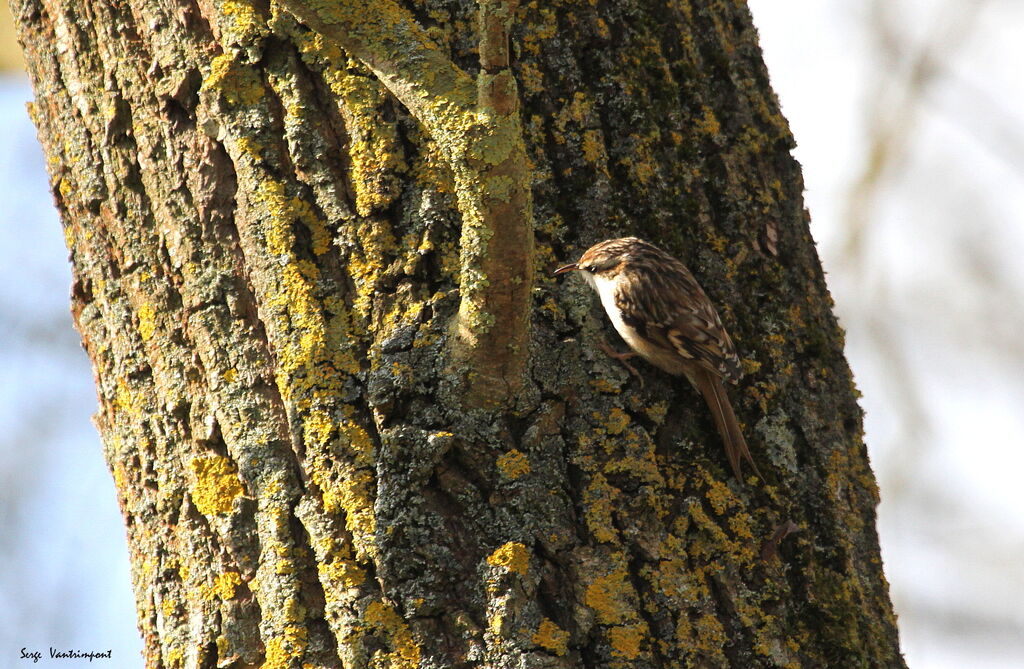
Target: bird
<point>662,313</point>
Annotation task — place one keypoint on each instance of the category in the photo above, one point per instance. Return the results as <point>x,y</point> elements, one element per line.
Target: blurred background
<point>909,115</point>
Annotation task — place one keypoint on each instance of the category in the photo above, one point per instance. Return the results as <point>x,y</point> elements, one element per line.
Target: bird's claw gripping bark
<point>622,358</point>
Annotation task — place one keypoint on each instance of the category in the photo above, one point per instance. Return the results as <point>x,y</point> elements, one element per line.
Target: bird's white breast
<point>666,359</point>
<point>605,288</point>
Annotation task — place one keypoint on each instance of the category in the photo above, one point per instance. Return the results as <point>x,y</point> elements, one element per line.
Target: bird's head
<point>605,258</point>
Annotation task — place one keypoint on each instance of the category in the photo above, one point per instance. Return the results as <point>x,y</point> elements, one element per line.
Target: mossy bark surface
<point>267,240</point>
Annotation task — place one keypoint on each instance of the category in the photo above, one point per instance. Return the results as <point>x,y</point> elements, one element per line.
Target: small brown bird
<point>663,314</point>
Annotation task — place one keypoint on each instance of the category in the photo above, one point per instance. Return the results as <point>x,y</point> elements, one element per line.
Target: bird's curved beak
<point>566,268</point>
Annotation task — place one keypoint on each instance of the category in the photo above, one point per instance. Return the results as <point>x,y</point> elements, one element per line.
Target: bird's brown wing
<point>670,308</point>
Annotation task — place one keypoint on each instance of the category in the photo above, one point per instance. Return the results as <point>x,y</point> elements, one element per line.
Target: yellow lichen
<point>609,596</point>
<point>599,500</point>
<point>367,262</point>
<point>237,82</point>
<point>124,398</point>
<point>317,427</point>
<point>120,479</point>
<point>405,653</point>
<point>375,149</point>
<point>513,556</point>
<point>175,657</point>
<point>531,78</point>
<point>359,442</point>
<point>513,464</point>
<point>551,637</point>
<point>671,577</point>
<point>281,652</point>
<point>642,165</point>
<point>626,640</point>
<point>224,585</point>
<point>352,495</point>
<point>147,321</point>
<point>711,635</point>
<point>615,421</point>
<point>720,496</point>
<point>708,123</point>
<point>497,618</point>
<point>604,386</point>
<point>249,147</point>
<point>341,572</point>
<point>593,148</point>
<point>741,526</point>
<point>307,363</point>
<point>241,23</point>
<point>657,411</point>
<point>217,484</point>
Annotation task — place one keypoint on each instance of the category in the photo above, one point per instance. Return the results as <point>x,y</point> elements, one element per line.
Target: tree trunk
<point>348,425</point>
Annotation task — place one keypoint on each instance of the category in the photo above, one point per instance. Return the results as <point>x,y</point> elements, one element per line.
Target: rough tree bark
<point>347,424</point>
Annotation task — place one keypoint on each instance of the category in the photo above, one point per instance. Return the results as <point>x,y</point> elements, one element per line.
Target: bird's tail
<point>711,387</point>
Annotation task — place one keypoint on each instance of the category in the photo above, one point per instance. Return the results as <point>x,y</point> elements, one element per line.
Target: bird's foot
<point>622,358</point>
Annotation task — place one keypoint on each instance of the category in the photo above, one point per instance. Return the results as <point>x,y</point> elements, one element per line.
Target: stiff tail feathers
<point>711,387</point>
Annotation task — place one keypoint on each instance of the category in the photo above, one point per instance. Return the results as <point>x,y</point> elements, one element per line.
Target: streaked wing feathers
<point>668,306</point>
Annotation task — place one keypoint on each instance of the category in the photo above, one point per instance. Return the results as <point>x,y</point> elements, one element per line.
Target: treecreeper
<point>660,310</point>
